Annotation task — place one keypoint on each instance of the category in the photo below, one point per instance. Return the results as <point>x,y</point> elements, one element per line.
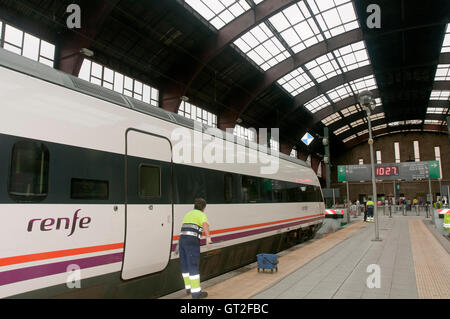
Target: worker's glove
<point>177,249</point>
<point>208,241</point>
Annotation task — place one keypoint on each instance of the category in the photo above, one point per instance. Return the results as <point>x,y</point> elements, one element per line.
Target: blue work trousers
<point>190,254</point>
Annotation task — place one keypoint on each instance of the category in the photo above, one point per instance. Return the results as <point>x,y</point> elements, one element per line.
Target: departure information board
<point>389,171</point>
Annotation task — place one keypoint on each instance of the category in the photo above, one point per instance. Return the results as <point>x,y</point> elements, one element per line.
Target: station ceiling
<point>296,65</point>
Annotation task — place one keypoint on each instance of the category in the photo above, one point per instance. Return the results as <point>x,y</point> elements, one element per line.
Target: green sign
<point>390,171</point>
<point>434,169</point>
<point>342,176</point>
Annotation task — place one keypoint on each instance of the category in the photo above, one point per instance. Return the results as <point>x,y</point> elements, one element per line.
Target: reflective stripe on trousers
<point>195,283</point>
<point>187,281</point>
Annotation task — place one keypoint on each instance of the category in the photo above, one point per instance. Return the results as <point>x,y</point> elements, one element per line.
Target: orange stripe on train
<point>226,230</point>
<point>55,254</point>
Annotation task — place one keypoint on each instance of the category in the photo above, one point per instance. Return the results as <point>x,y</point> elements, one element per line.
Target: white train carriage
<point>95,185</point>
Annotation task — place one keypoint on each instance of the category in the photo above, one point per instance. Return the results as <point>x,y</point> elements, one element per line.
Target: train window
<point>251,189</point>
<point>28,179</point>
<point>149,181</point>
<point>228,189</point>
<point>319,197</point>
<point>89,189</point>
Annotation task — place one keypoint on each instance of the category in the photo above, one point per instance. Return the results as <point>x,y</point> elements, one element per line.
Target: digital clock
<point>386,170</point>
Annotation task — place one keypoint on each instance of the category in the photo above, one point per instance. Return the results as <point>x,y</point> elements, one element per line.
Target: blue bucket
<point>267,261</point>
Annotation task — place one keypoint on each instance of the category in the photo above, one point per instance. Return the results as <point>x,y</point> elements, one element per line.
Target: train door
<point>148,204</point>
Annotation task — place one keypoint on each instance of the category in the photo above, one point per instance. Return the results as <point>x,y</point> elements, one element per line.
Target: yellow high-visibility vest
<point>196,217</point>
<point>447,222</point>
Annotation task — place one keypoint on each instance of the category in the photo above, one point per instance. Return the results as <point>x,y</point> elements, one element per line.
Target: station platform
<point>412,260</point>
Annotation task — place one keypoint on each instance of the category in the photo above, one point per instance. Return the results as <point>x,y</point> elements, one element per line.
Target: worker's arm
<point>208,235</point>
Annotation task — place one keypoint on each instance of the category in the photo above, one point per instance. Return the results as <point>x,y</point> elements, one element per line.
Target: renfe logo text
<point>49,224</point>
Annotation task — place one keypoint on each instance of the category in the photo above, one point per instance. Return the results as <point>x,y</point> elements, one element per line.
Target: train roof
<point>43,72</point>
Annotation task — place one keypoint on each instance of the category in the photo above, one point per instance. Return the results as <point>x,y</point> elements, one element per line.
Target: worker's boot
<point>202,294</point>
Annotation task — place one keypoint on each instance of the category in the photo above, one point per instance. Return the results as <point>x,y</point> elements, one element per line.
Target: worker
<point>447,222</point>
<point>370,206</point>
<point>365,211</point>
<point>194,223</point>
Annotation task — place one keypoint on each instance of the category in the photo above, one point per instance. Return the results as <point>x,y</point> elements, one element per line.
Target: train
<point>95,184</point>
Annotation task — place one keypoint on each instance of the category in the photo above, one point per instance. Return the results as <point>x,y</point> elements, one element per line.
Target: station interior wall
<point>409,189</point>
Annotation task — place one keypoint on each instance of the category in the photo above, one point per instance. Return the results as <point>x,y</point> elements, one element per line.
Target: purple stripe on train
<point>27,273</point>
<point>254,231</point>
<point>16,275</point>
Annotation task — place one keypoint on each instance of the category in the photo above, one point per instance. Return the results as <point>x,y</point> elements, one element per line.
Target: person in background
<point>194,223</point>
<point>365,211</point>
<point>353,209</point>
<point>370,207</point>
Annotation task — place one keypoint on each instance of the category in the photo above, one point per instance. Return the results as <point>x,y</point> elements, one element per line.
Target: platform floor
<point>413,263</point>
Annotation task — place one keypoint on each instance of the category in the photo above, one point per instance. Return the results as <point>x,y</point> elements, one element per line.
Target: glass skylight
<point>296,82</point>
<point>442,72</point>
<point>433,122</point>
<point>352,56</point>
<point>323,68</point>
<point>331,119</point>
<point>379,127</point>
<point>413,122</point>
<point>347,89</point>
<point>219,12</point>
<point>362,132</point>
<point>356,123</point>
<point>297,27</point>
<point>317,104</point>
<point>340,93</point>
<point>407,122</point>
<point>437,110</point>
<point>365,83</point>
<point>378,101</point>
<point>350,110</point>
<point>377,116</point>
<point>349,138</point>
<point>341,130</point>
<point>446,44</point>
<point>262,47</point>
<point>334,16</point>
<point>440,95</point>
